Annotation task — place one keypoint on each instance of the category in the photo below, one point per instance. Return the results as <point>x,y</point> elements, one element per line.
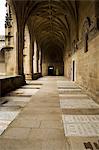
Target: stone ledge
<point>10,83</point>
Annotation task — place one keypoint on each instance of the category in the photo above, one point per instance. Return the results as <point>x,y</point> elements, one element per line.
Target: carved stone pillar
<point>28,54</point>
<point>20,47</point>
<point>35,59</point>
<point>39,61</point>
<point>31,58</point>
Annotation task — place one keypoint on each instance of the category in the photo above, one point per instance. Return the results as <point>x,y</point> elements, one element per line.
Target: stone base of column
<point>28,76</point>
<point>36,76</point>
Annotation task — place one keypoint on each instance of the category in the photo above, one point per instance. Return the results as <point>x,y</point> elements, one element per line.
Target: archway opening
<point>50,70</point>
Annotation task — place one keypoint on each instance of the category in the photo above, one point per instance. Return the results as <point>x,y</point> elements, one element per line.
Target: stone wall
<point>86,9</point>
<point>2,68</point>
<point>87,67</point>
<point>8,84</point>
<point>10,62</point>
<point>2,63</point>
<point>86,62</point>
<point>67,67</point>
<point>58,68</point>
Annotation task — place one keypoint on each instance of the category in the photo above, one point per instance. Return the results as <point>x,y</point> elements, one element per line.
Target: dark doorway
<point>73,70</point>
<point>51,70</point>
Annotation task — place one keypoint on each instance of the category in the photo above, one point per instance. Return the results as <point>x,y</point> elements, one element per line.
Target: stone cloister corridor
<point>49,75</point>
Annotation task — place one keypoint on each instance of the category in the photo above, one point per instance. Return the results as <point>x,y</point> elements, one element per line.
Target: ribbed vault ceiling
<point>51,20</point>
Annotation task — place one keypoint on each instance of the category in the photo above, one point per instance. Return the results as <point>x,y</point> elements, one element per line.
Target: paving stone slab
<point>78,104</point>
<point>26,123</point>
<point>83,143</point>
<point>32,86</point>
<point>80,118</point>
<point>1,131</point>
<point>46,134</point>
<point>14,104</point>
<point>15,98</point>
<point>5,119</point>
<point>15,101</point>
<point>81,125</point>
<point>70,90</point>
<point>8,115</point>
<point>16,133</point>
<point>81,111</point>
<point>81,95</point>
<point>25,91</point>
<point>82,129</point>
<point>10,109</point>
<point>51,124</point>
<point>68,87</point>
<point>4,122</point>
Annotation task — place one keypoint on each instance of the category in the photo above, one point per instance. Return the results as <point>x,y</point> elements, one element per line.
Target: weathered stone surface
<point>39,124</point>
<point>10,83</point>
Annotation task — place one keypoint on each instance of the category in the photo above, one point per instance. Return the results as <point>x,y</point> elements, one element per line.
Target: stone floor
<point>49,114</point>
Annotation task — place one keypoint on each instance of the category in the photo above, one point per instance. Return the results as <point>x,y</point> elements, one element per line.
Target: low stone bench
<point>10,83</point>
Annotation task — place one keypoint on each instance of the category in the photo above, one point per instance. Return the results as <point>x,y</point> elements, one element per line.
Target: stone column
<point>19,49</point>
<point>28,55</point>
<point>39,61</point>
<point>17,64</point>
<point>35,61</point>
<point>31,58</point>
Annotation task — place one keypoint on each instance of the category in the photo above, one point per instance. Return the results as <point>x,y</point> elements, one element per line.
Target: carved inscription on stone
<point>81,125</point>
<point>81,129</point>
<point>73,103</point>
